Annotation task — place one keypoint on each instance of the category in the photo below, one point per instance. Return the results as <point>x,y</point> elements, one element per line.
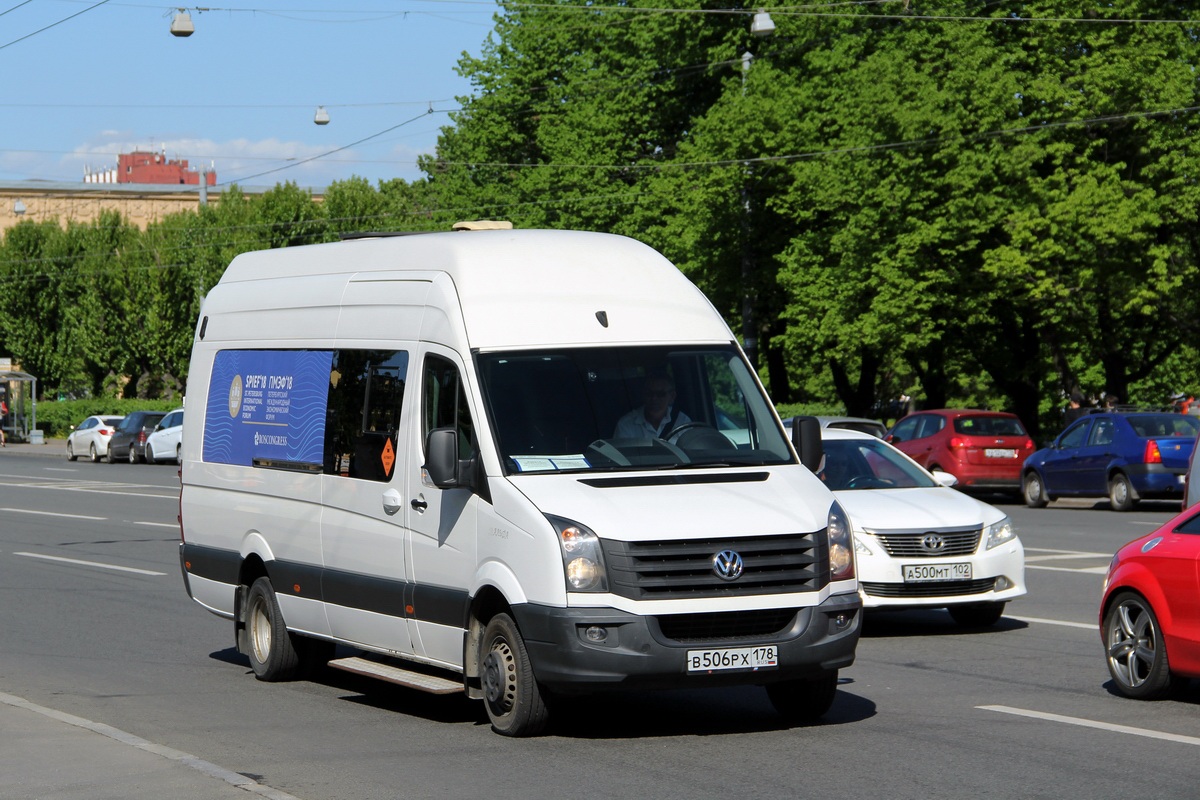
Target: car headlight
<point>583,560</point>
<point>841,544</point>
<point>860,545</point>
<point>1000,532</point>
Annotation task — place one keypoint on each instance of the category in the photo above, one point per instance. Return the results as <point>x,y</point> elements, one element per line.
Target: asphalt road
<point>97,626</point>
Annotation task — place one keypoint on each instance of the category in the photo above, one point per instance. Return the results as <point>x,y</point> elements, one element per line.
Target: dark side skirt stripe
<point>396,598</point>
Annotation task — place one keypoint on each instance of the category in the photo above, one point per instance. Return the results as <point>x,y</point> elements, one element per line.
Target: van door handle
<point>418,505</point>
<point>391,502</point>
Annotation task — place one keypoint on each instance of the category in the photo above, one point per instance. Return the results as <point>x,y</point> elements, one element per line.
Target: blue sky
<point>240,93</point>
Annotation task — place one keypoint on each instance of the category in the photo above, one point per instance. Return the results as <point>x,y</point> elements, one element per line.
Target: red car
<point>983,449</point>
<point>1149,617</point>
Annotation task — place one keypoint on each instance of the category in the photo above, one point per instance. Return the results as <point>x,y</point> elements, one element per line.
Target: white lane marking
<point>49,513</point>
<point>159,524</point>
<point>205,767</point>
<point>89,563</point>
<point>1066,556</point>
<point>59,469</point>
<point>1091,626</point>
<point>1086,570</point>
<point>1068,553</point>
<point>1090,723</point>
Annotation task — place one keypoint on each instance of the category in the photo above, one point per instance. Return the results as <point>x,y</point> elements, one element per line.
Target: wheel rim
<point>1033,489</point>
<point>500,678</point>
<point>132,454</point>
<point>70,451</point>
<point>1120,491</point>
<point>1132,644</point>
<point>92,452</point>
<point>260,631</point>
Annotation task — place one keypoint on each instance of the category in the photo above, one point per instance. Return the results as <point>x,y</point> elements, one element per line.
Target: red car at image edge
<point>1149,616</point>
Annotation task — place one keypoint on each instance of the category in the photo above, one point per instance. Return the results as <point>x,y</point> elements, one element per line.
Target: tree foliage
<point>973,204</point>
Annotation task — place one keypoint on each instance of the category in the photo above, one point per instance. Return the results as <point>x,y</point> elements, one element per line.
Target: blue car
<point>1126,456</point>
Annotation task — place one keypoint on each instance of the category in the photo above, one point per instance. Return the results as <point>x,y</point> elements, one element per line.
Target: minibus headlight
<point>583,559</point>
<point>841,544</point>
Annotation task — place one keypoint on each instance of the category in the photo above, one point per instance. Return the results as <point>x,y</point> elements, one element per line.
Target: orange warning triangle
<point>388,457</point>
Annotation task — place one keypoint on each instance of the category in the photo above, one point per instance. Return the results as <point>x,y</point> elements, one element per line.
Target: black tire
<point>150,459</point>
<point>1120,493</point>
<point>71,452</point>
<point>179,454</point>
<point>1134,650</point>
<point>133,456</point>
<point>269,646</point>
<point>92,454</point>
<point>977,615</point>
<point>112,456</point>
<point>1033,490</point>
<point>804,700</point>
<point>515,703</point>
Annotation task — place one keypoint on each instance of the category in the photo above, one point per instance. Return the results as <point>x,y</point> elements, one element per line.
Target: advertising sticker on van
<point>267,407</point>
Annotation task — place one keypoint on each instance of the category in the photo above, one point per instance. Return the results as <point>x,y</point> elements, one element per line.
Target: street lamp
<point>762,24</point>
<point>321,117</point>
<point>181,24</point>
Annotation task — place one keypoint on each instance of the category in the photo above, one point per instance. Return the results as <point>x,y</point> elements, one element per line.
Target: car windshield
<point>870,464</point>
<point>594,409</point>
<point>1147,425</point>
<point>981,425</point>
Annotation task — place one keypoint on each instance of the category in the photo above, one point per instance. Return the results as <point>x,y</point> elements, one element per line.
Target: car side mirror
<point>441,457</point>
<point>892,438</point>
<point>806,437</point>
<point>944,478</point>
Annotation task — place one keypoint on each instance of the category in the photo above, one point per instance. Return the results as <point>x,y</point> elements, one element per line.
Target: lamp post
<point>762,25</point>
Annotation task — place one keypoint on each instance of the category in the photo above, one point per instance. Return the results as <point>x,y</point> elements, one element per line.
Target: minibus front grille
<point>726,626</point>
<point>665,570</point>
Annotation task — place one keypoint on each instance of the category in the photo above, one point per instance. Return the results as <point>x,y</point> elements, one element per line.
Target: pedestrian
<point>3,421</point>
<point>1075,408</point>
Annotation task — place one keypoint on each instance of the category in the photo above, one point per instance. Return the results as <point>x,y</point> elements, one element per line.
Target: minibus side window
<point>366,394</point>
<point>445,404</point>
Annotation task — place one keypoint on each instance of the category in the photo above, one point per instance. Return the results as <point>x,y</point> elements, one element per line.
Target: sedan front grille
<point>665,570</point>
<point>932,589</point>
<point>925,544</point>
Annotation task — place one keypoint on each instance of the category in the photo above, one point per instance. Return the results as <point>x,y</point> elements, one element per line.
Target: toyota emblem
<point>933,542</point>
<point>728,565</point>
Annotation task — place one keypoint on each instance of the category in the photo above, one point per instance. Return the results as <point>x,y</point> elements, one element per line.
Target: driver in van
<point>656,417</point>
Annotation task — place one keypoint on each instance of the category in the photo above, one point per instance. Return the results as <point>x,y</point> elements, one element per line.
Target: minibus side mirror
<point>806,436</point>
<point>441,457</point>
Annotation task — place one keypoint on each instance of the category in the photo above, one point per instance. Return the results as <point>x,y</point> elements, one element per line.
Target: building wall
<point>138,203</point>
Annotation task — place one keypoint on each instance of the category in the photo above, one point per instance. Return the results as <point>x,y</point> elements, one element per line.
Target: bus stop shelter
<point>21,422</point>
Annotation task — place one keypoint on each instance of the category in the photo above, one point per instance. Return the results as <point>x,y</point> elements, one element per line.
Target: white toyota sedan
<point>919,543</point>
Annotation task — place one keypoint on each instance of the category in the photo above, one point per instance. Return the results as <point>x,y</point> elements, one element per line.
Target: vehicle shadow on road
<point>714,711</point>
<point>883,624</point>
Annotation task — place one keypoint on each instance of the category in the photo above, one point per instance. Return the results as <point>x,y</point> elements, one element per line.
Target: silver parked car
<point>91,437</point>
<point>165,444</point>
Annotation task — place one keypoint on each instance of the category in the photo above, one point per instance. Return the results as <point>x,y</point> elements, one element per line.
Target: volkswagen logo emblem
<point>728,565</point>
<point>933,542</point>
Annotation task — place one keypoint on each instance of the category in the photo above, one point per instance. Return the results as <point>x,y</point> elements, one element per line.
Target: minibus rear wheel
<point>269,645</point>
<point>514,701</point>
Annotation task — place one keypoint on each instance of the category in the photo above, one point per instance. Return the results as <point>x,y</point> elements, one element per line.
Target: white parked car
<point>918,542</point>
<point>165,443</point>
<point>91,437</point>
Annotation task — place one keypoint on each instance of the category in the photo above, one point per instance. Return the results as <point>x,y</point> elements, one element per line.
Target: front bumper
<point>881,578</point>
<point>636,653</point>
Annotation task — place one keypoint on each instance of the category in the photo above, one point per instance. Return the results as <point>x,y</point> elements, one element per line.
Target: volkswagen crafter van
<point>407,446</point>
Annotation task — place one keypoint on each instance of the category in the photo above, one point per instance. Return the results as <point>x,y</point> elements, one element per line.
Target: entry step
<point>425,682</point>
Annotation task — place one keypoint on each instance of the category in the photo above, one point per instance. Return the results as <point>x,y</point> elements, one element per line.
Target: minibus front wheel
<point>269,646</point>
<point>515,703</point>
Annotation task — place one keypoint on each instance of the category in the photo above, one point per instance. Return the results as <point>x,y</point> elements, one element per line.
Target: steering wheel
<point>868,482</point>
<point>706,436</point>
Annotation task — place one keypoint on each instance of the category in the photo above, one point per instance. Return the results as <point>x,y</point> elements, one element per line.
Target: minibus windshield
<point>628,408</point>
